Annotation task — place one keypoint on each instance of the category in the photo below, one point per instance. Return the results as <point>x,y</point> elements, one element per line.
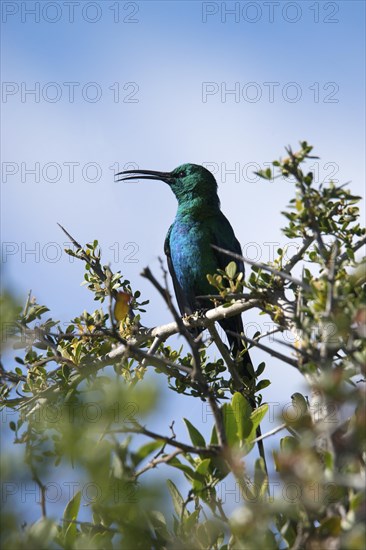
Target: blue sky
<point>173,64</point>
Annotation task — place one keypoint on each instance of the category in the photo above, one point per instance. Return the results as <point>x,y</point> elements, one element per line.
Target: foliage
<point>80,396</point>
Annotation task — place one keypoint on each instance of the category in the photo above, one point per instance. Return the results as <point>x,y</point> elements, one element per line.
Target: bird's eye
<point>181,174</point>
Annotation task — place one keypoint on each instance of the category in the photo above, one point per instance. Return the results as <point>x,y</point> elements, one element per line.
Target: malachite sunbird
<point>199,223</point>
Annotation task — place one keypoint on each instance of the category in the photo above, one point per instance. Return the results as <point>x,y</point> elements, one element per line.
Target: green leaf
<point>242,411</point>
<point>196,438</point>
<point>191,520</point>
<point>145,450</point>
<point>214,440</point>
<point>177,498</point>
<point>265,174</point>
<point>258,414</point>
<point>176,463</point>
<point>231,270</point>
<point>260,369</point>
<point>262,384</point>
<point>211,280</point>
<point>230,425</point>
<point>159,523</point>
<point>71,514</point>
<point>288,444</point>
<point>260,478</point>
<point>219,468</point>
<point>202,470</point>
<point>256,418</point>
<point>203,466</point>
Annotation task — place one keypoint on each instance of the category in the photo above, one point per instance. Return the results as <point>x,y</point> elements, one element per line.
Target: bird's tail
<point>234,326</point>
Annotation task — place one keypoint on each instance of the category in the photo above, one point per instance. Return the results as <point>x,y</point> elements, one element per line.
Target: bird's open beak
<point>144,175</point>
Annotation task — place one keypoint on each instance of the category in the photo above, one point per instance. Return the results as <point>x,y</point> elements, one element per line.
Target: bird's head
<point>187,181</point>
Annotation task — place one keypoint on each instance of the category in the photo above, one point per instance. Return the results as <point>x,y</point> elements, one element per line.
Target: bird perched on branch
<point>199,224</point>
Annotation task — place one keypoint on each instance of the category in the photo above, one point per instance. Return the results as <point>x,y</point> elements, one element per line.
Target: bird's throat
<point>198,206</point>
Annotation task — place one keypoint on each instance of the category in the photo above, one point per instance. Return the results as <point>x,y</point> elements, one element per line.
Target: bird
<point>199,224</point>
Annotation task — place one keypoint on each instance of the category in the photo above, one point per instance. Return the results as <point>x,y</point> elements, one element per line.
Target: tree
<point>74,393</point>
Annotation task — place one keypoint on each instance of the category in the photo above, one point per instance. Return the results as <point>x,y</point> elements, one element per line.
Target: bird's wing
<point>222,235</point>
<point>184,306</point>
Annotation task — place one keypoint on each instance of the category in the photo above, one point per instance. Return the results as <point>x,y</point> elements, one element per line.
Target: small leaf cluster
<point>228,281</point>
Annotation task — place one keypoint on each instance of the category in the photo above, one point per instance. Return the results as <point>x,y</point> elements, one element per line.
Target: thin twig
<point>153,348</point>
<point>211,450</point>
<point>97,268</point>
<point>333,263</point>
<point>155,461</point>
<point>313,222</point>
<point>42,489</point>
<point>298,256</point>
<point>95,527</point>
<point>268,434</point>
<point>274,271</point>
<point>271,351</point>
<point>231,365</point>
<point>230,295</point>
<point>268,333</point>
<point>356,247</point>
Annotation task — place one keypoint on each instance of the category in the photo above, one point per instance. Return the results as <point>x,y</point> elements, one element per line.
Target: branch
<point>313,222</point>
<point>282,274</point>
<point>268,333</point>
<point>153,348</point>
<point>231,365</point>
<point>158,460</point>
<point>42,489</point>
<point>142,356</point>
<point>356,247</point>
<point>211,450</point>
<point>268,434</point>
<point>298,256</point>
<point>97,268</point>
<point>170,368</point>
<point>333,262</point>
<point>212,315</point>
<point>271,351</point>
<point>229,295</point>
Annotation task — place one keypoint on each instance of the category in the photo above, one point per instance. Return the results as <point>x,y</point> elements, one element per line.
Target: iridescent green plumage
<point>199,223</point>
